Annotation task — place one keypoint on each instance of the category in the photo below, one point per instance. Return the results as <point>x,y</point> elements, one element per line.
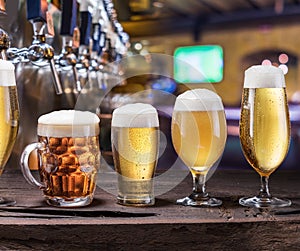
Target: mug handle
<point>24,160</point>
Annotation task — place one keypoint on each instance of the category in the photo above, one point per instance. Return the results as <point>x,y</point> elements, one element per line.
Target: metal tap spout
<point>68,58</point>
<point>40,53</point>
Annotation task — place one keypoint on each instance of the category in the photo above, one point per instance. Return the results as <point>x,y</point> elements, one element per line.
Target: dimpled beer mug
<point>199,135</point>
<point>264,128</point>
<point>135,139</point>
<point>69,157</point>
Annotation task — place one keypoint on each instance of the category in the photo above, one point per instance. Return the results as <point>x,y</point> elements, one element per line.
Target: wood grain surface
<point>104,225</point>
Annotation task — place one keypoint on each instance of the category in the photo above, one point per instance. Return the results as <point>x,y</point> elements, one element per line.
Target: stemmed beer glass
<point>199,134</point>
<point>9,117</point>
<point>264,128</point>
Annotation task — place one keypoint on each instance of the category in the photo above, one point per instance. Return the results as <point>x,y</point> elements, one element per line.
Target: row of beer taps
<point>92,39</point>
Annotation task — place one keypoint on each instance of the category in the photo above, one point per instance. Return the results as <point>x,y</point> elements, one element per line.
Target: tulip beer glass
<point>199,135</point>
<point>135,139</point>
<point>264,128</point>
<point>9,117</point>
<point>69,157</point>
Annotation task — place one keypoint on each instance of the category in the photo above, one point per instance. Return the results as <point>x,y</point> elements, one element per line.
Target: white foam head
<point>264,76</point>
<point>135,115</point>
<point>68,123</point>
<point>7,73</point>
<point>198,100</point>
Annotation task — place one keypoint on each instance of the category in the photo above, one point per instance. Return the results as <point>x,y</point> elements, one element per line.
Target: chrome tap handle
<point>77,82</point>
<point>57,83</point>
<point>66,59</point>
<point>17,55</point>
<point>40,53</point>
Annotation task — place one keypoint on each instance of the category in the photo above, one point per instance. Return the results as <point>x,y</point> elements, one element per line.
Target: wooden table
<point>33,225</point>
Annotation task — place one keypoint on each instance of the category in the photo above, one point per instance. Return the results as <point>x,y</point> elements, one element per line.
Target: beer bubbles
<point>9,116</point>
<point>9,111</point>
<point>135,144</point>
<point>264,128</point>
<point>69,157</point>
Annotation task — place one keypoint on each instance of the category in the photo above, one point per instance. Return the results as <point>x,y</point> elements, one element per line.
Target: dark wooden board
<point>104,225</point>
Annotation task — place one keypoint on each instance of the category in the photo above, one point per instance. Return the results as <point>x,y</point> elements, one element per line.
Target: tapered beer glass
<point>199,134</point>
<point>264,129</point>
<point>135,144</point>
<point>9,117</point>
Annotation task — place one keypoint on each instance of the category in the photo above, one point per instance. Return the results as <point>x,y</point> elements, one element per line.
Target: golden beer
<point>265,128</point>
<point>136,151</point>
<point>69,166</point>
<point>9,117</point>
<point>9,122</point>
<point>199,137</point>
<point>135,139</point>
<point>69,157</point>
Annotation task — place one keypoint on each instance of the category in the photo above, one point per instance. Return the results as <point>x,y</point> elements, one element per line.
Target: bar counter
<point>104,225</point>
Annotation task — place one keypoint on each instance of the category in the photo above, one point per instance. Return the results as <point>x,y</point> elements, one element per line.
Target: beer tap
<point>96,46</point>
<point>85,31</point>
<point>96,33</point>
<point>115,37</point>
<point>40,53</point>
<point>68,23</point>
<point>111,44</point>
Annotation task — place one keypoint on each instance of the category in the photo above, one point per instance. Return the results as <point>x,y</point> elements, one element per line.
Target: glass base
<point>136,202</point>
<point>258,202</point>
<point>5,202</point>
<point>76,202</point>
<point>200,202</point>
<point>135,192</point>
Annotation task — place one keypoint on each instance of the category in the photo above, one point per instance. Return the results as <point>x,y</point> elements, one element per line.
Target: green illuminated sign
<point>198,64</point>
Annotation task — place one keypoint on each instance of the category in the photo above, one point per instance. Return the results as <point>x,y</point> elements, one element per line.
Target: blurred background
<point>221,38</point>
<point>246,32</point>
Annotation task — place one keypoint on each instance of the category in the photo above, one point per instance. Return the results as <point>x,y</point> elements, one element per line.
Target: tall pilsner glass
<point>264,128</point>
<point>9,117</point>
<point>199,134</point>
